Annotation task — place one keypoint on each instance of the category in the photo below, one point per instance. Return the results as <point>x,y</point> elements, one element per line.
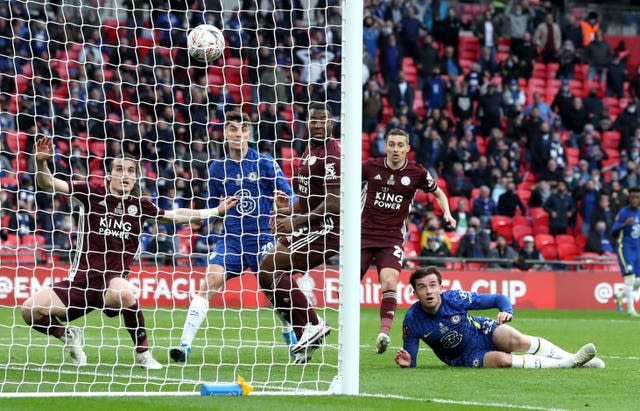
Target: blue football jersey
<point>452,330</point>
<point>253,180</point>
<point>627,237</point>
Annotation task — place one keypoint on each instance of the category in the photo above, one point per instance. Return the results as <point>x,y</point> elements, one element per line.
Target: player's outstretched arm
<point>443,202</point>
<point>43,150</point>
<point>187,215</point>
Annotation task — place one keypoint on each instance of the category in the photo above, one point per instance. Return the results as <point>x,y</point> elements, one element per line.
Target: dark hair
<point>423,272</point>
<point>237,116</point>
<point>635,189</point>
<point>135,191</point>
<point>397,132</point>
<point>321,106</point>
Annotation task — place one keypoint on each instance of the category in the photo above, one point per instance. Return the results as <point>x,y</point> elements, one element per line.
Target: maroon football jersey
<point>110,228</point>
<point>388,194</point>
<point>319,169</point>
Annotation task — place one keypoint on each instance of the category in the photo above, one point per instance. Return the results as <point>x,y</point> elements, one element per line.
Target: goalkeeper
<point>255,180</point>
<point>110,224</point>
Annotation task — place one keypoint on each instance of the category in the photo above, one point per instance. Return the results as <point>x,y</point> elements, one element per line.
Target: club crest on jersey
<point>377,177</point>
<point>102,203</point>
<point>311,160</point>
<point>455,319</point>
<point>391,180</point>
<point>405,181</point>
<point>253,176</point>
<point>330,171</point>
<point>118,210</point>
<point>132,209</point>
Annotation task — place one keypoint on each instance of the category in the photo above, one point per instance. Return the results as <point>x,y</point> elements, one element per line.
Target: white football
<point>205,42</point>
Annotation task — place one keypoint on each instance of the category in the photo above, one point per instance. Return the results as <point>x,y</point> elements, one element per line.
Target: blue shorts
<point>236,254</point>
<point>629,261</point>
<point>478,345</point>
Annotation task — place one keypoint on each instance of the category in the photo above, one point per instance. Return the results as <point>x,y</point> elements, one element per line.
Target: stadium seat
<point>567,251</point>
<point>520,231</point>
<point>543,240</point>
<point>521,220</point>
<point>454,238</point>
<point>549,252</point>
<point>565,239</point>
<point>540,228</point>
<point>502,225</point>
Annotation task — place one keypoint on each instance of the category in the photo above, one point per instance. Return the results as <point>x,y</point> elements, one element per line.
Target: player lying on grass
<point>391,183</point>
<point>457,338</point>
<point>110,224</point>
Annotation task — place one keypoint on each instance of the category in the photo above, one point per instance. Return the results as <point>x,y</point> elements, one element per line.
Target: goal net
<point>103,78</point>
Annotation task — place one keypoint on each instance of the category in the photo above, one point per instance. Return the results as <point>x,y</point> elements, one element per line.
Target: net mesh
<point>102,78</point>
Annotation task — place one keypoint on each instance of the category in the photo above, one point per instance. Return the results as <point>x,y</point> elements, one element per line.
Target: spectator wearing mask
<point>598,240</point>
<point>561,208</point>
<point>509,201</point>
<point>470,245</point>
<point>528,252</point>
<point>435,248</point>
<point>502,251</point>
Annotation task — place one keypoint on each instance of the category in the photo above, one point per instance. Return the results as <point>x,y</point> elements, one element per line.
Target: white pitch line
<point>461,402</point>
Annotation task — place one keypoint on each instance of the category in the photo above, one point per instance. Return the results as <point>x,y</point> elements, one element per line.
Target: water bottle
<point>238,388</point>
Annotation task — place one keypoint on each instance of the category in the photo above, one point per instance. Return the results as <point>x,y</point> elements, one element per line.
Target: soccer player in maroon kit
<point>391,183</point>
<point>110,224</point>
<point>310,233</point>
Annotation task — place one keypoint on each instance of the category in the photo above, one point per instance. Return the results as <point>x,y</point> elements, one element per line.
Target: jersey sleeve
<point>427,183</point>
<point>281,182</point>
<point>617,224</point>
<point>80,191</point>
<point>332,165</point>
<point>214,187</point>
<point>410,340</point>
<point>150,210</point>
<point>473,301</point>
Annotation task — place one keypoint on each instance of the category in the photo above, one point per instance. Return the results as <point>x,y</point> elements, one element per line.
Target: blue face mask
<point>600,230</point>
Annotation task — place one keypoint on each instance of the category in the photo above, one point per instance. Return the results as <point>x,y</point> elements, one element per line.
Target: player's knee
<point>127,298</point>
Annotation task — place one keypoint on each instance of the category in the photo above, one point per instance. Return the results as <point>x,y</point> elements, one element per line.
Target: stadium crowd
<point>525,114</point>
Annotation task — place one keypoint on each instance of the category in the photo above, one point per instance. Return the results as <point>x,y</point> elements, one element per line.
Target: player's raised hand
<point>403,358</point>
<point>504,317</point>
<point>227,204</point>
<point>43,149</point>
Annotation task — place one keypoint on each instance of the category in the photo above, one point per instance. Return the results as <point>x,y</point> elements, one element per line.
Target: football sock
<point>536,361</point>
<point>292,304</point>
<point>544,348</point>
<point>629,281</point>
<point>387,310</point>
<point>48,325</point>
<point>134,322</point>
<point>196,314</point>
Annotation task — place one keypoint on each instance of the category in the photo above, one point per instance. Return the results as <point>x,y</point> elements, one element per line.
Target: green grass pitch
<point>29,363</point>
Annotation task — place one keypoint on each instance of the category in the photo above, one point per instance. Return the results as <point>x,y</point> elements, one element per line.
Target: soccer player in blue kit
<point>255,180</point>
<point>440,319</point>
<point>626,230</point>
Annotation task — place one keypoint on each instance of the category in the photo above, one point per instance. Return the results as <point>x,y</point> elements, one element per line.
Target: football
<point>205,43</point>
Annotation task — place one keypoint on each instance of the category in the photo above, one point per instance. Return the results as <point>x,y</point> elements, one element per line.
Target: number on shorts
<point>399,253</point>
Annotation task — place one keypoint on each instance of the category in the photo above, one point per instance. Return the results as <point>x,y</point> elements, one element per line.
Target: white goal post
<point>101,79</point>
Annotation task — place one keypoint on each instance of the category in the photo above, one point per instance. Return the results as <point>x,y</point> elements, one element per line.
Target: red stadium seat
<point>543,240</point>
<point>565,239</point>
<point>453,203</point>
<point>567,251</point>
<point>549,252</point>
<point>520,231</point>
